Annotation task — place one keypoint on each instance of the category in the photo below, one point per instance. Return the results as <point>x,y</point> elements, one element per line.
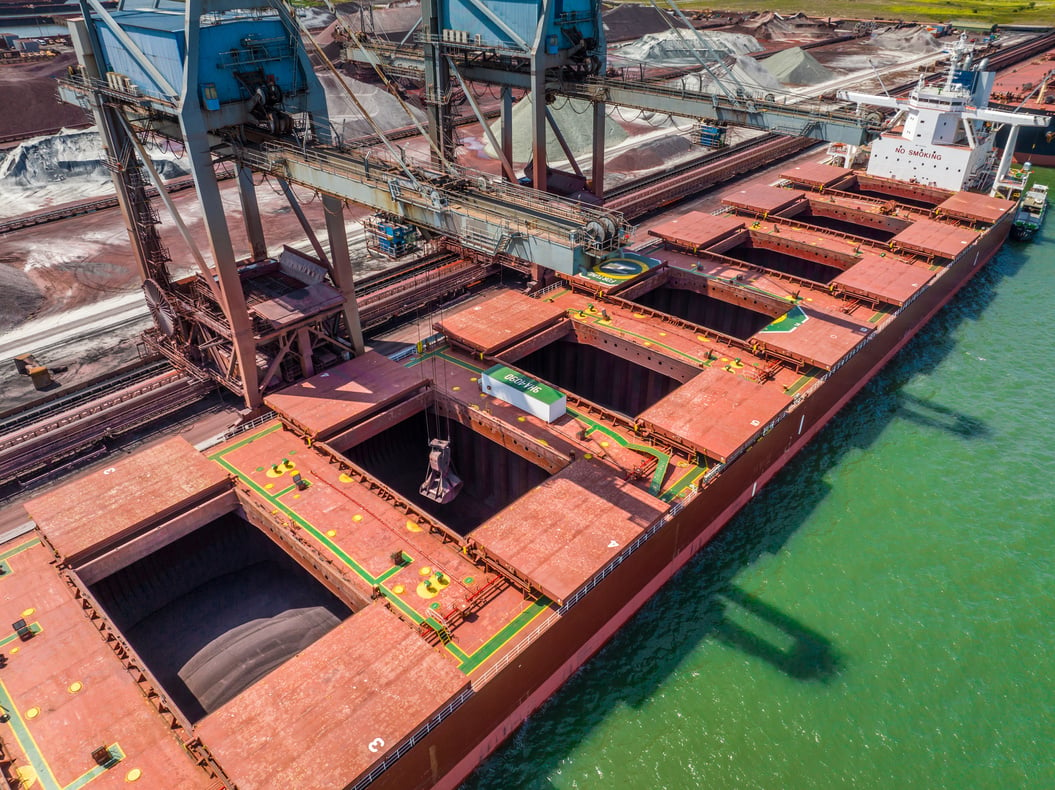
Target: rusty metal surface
<point>108,504</point>
<point>890,279</point>
<point>761,198</point>
<point>816,175</point>
<point>718,411</point>
<point>324,717</point>
<point>70,693</point>
<point>821,340</point>
<point>502,320</point>
<point>299,304</point>
<point>697,229</point>
<point>564,531</point>
<point>975,207</point>
<point>934,238</point>
<point>331,401</point>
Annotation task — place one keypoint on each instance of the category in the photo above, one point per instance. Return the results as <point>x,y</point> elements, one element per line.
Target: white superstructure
<point>943,135</point>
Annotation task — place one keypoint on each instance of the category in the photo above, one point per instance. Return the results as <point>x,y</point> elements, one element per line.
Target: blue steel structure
<point>199,73</point>
<point>502,41</point>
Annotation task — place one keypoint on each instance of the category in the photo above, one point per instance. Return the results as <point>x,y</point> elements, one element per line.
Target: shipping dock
<point>420,531</point>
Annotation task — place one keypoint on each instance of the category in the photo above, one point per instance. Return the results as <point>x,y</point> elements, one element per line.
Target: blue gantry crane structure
<point>231,80</point>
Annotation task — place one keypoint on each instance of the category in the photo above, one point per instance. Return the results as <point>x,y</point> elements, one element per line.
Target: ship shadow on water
<point>702,603</point>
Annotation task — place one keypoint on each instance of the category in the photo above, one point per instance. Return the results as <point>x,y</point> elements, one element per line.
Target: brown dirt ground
<point>30,88</point>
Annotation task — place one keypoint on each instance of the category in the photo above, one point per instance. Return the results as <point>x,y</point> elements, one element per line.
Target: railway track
<point>82,207</point>
<point>80,424</point>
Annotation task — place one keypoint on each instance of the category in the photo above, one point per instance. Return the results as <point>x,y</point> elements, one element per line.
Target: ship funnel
<point>441,484</point>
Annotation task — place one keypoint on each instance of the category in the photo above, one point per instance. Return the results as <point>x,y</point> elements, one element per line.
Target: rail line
<point>82,424</point>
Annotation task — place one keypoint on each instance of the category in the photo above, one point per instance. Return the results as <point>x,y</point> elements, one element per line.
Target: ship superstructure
<point>944,135</point>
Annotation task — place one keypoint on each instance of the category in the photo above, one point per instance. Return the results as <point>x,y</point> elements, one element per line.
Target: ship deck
<point>1027,84</point>
<point>670,370</point>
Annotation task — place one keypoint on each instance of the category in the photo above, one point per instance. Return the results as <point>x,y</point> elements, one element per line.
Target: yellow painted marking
<point>133,775</point>
<point>483,394</point>
<point>14,650</point>
<point>399,589</point>
<point>296,496</point>
<point>28,612</point>
<point>604,444</point>
<point>331,533</point>
<point>272,472</point>
<point>455,389</point>
<point>32,713</point>
<point>27,776</point>
<point>543,442</point>
<point>426,571</point>
<point>647,344</point>
<point>357,517</point>
<point>473,379</point>
<point>269,486</point>
<point>521,419</point>
<point>74,687</point>
<point>588,456</point>
<point>640,315</point>
<point>662,334</point>
<point>345,478</point>
<point>427,590</point>
<point>412,526</point>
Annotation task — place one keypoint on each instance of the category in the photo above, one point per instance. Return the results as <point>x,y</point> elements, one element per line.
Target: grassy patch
<point>1019,12</point>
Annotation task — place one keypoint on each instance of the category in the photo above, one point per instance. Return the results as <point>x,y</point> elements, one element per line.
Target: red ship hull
<point>447,754</point>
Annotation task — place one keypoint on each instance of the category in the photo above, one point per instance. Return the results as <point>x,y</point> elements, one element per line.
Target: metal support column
<point>538,122</point>
<point>341,262</point>
<point>437,81</point>
<point>307,366</point>
<point>507,122</point>
<point>597,168</point>
<point>196,142</point>
<point>254,228</point>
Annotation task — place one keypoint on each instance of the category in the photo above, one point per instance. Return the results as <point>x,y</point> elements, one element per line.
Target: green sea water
<point>881,616</point>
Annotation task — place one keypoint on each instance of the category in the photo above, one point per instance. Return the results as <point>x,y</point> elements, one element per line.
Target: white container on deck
<point>524,392</point>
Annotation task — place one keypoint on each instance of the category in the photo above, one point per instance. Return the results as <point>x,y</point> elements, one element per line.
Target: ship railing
<point>256,422</point>
<point>413,740</point>
<point>542,293</point>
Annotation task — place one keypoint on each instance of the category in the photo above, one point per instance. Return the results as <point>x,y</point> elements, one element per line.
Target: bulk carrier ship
<point>293,607</point>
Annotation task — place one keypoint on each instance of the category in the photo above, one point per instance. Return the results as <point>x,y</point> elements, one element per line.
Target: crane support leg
<point>341,262</point>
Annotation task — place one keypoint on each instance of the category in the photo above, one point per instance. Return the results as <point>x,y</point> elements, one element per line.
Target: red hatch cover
<point>105,506</point>
<point>813,336</point>
<point>816,175</point>
<point>499,321</point>
<point>976,208</point>
<point>565,530</point>
<point>331,401</point>
<point>934,238</point>
<point>762,199</point>
<point>697,229</point>
<point>325,716</point>
<point>717,412</point>
<point>890,279</point>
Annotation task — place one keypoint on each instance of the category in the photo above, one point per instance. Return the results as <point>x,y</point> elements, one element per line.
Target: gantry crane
<point>231,81</point>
